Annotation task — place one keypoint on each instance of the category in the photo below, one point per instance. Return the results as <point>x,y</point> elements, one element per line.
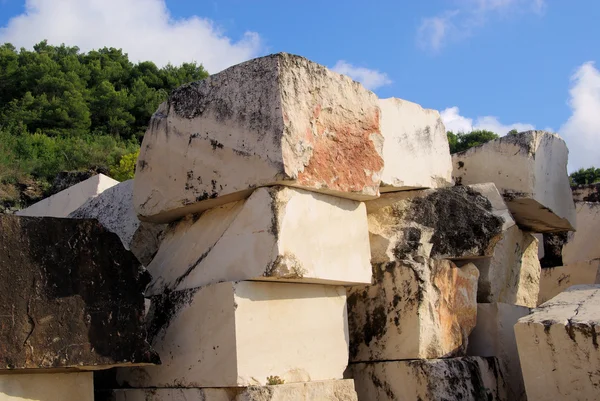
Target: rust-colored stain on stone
<point>342,153</point>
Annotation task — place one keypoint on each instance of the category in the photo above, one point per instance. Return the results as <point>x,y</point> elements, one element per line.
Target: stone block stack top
<point>279,119</point>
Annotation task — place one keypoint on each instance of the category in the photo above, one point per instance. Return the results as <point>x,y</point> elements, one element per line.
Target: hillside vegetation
<point>65,110</point>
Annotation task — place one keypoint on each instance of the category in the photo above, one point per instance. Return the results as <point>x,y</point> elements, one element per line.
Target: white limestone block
<point>584,244</point>
<point>464,379</point>
<point>414,310</point>
<point>512,274</point>
<point>558,346</point>
<point>555,280</point>
<point>332,390</point>
<point>415,147</point>
<point>63,203</point>
<point>540,238</point>
<point>75,386</point>
<point>494,336</point>
<point>278,233</point>
<point>113,208</point>
<point>530,170</point>
<point>279,119</point>
<point>237,334</point>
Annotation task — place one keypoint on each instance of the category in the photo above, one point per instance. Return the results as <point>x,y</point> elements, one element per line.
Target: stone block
<point>494,336</point>
<point>414,310</point>
<point>68,200</point>
<point>332,390</point>
<point>512,274</point>
<point>555,280</point>
<point>465,379</point>
<point>586,193</point>
<point>113,208</point>
<point>530,170</point>
<point>499,208</point>
<point>415,147</point>
<point>278,233</point>
<point>558,346</point>
<point>77,386</point>
<point>70,297</point>
<point>279,119</point>
<point>237,334</point>
<point>446,223</point>
<point>583,244</point>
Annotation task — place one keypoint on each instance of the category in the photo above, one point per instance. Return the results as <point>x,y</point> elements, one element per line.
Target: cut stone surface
<point>415,147</point>
<point>584,244</point>
<point>238,334</point>
<point>512,274</point>
<point>448,223</point>
<point>332,390</point>
<point>70,296</point>
<point>530,170</point>
<point>279,119</point>
<point>494,336</point>
<point>499,208</point>
<point>113,208</point>
<point>77,386</point>
<point>465,379</point>
<point>414,310</point>
<point>540,238</point>
<point>558,346</point>
<point>68,200</point>
<point>555,280</point>
<point>278,233</point>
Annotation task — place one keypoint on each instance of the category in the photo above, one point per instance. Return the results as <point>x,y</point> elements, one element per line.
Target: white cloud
<point>453,25</point>
<point>142,28</point>
<point>458,123</point>
<point>582,129</point>
<point>371,79</point>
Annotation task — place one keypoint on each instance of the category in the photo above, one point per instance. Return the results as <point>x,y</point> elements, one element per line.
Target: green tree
<point>513,132</point>
<point>462,141</point>
<point>585,176</point>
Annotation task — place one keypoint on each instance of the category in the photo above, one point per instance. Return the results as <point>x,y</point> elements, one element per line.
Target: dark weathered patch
<point>553,246</point>
<point>412,240</point>
<point>164,307</point>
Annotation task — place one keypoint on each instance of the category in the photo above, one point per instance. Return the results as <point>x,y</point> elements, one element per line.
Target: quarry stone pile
<point>555,280</point>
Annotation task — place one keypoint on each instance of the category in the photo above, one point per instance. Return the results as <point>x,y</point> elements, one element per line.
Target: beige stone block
<point>586,193</point>
<point>415,147</point>
<point>332,390</point>
<point>279,119</point>
<point>236,334</point>
<point>555,280</point>
<point>512,274</point>
<point>47,387</point>
<point>494,336</point>
<point>583,244</point>
<point>414,310</point>
<point>558,346</point>
<point>67,201</point>
<point>279,233</point>
<point>530,170</point>
<point>465,379</point>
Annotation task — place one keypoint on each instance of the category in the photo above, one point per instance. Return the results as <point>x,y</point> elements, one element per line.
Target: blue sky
<point>495,64</point>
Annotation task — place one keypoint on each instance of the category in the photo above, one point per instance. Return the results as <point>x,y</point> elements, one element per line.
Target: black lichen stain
<point>164,308</point>
<point>553,246</point>
<point>216,144</point>
<point>412,240</point>
<point>461,164</point>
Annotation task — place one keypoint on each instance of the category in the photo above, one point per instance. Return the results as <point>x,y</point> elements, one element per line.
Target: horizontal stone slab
<point>530,170</point>
<point>279,119</point>
<point>558,346</point>
<point>70,297</point>
<point>279,233</point>
<point>465,379</point>
<point>77,386</point>
<point>413,310</point>
<point>415,148</point>
<point>555,280</point>
<point>583,244</point>
<point>237,334</point>
<point>332,390</point>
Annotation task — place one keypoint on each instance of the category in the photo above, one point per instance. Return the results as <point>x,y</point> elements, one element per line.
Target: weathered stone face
<point>494,336</point>
<point>530,170</point>
<point>331,390</point>
<point>583,244</point>
<point>557,279</point>
<point>415,147</point>
<point>558,346</point>
<point>452,223</point>
<point>465,379</point>
<point>414,310</point>
<point>512,274</point>
<point>71,296</point>
<point>279,119</point>
<point>237,334</point>
<point>279,233</point>
<point>77,386</point>
<point>113,208</point>
<point>586,193</point>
